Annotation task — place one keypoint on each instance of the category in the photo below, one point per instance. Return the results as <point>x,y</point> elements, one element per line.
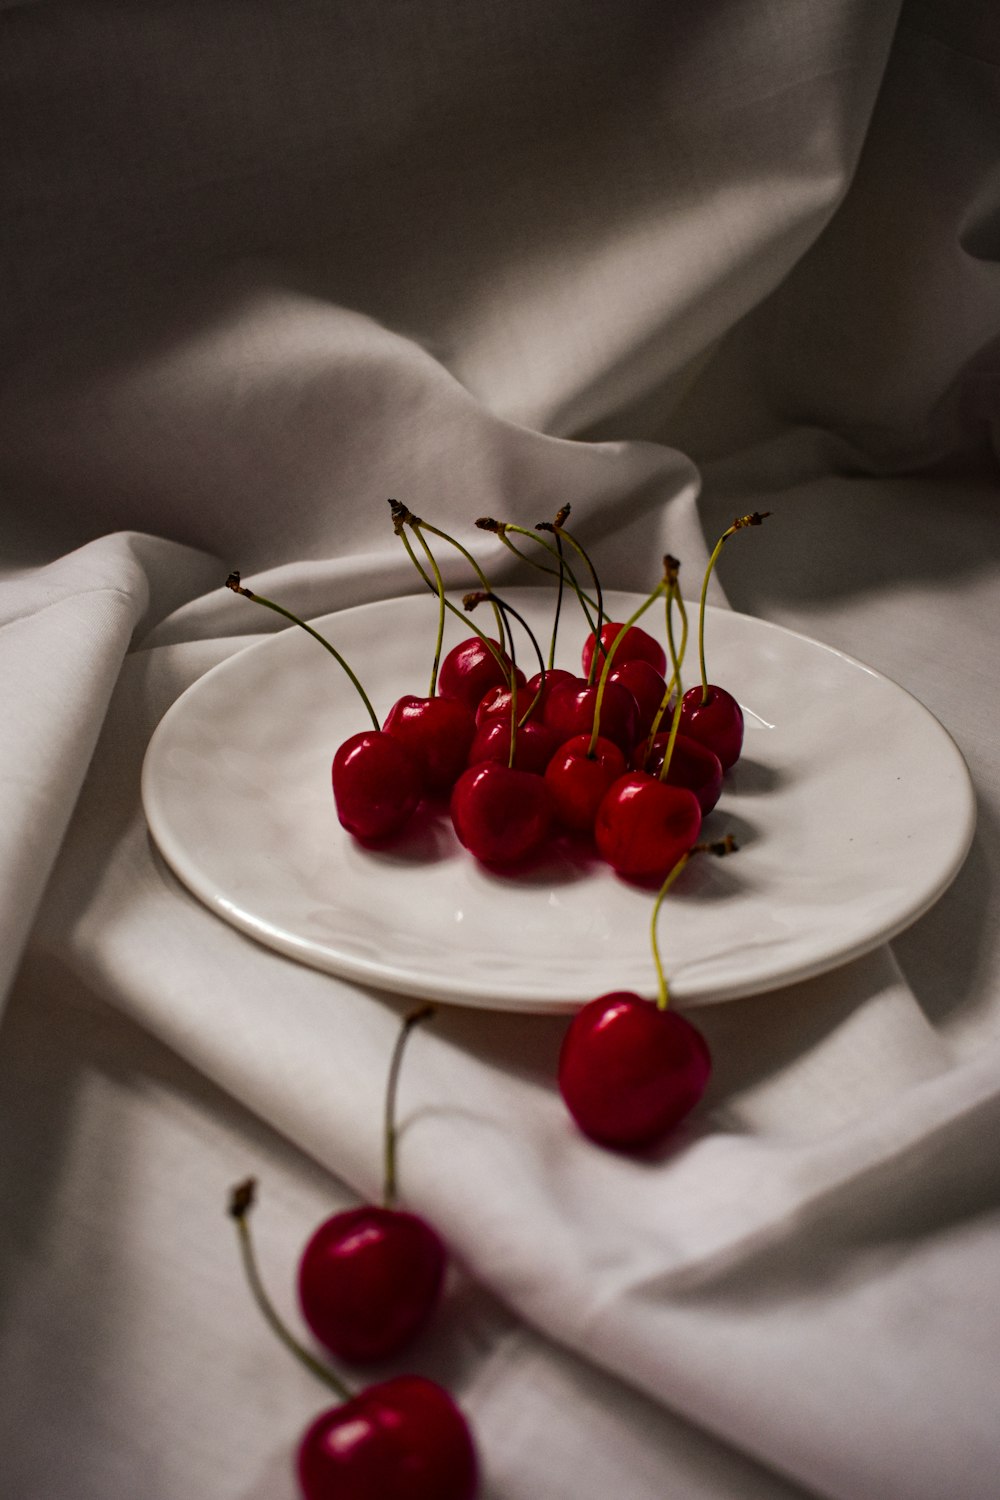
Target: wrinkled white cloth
<point>264,267</point>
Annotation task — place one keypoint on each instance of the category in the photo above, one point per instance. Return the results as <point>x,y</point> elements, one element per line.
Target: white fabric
<point>267,265</point>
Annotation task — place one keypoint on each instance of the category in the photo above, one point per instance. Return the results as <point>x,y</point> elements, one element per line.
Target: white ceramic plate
<point>852,807</point>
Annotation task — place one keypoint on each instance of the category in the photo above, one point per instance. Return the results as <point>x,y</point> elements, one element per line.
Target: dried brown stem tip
<point>469,601</point>
<point>233,582</point>
<point>241,1198</point>
<point>402,516</point>
<point>671,568</point>
<point>756,519</point>
<point>728,845</point>
<point>487,523</point>
<point>562,516</point>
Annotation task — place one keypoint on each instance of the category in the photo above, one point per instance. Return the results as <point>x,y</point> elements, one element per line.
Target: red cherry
<point>570,711</point>
<point>646,685</point>
<point>636,646</point>
<point>377,784</point>
<point>534,746</point>
<point>717,723</point>
<point>643,826</point>
<point>469,669</point>
<point>401,1439</point>
<point>629,1072</point>
<point>369,1279</point>
<point>437,732</point>
<point>692,765</point>
<point>495,702</point>
<point>554,676</point>
<point>578,779</point>
<point>500,814</point>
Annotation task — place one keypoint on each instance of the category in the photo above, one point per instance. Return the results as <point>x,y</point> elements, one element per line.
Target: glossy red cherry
<point>692,765</point>
<point>570,711</point>
<point>646,685</point>
<point>578,778</point>
<point>629,1071</point>
<point>470,668</point>
<point>637,645</point>
<point>377,784</point>
<point>717,723</point>
<point>535,744</point>
<point>643,826</point>
<point>496,702</point>
<point>500,814</point>
<point>438,733</point>
<point>402,1439</point>
<point>369,1279</point>
<point>554,677</point>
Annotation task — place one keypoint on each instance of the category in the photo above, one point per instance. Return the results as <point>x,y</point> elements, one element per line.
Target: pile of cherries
<point>605,754</point>
<point>619,755</point>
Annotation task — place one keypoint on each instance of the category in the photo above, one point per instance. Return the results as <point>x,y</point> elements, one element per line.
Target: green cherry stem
<point>676,662</point>
<point>401,517</point>
<point>676,655</point>
<point>418,521</point>
<point>412,1019</point>
<point>470,601</point>
<point>233,582</point>
<point>674,685</point>
<point>562,569</point>
<point>756,518</point>
<point>439,588</point>
<point>559,530</point>
<point>241,1201</point>
<point>560,589</point>
<point>721,847</point>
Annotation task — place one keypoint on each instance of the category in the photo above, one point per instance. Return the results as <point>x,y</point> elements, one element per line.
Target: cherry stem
<point>719,847</point>
<point>562,568</point>
<point>241,1201</point>
<point>401,515</point>
<point>756,518</point>
<point>676,662</point>
<point>671,568</point>
<point>439,588</point>
<point>422,1013</point>
<point>560,588</point>
<point>609,657</point>
<point>233,582</point>
<point>559,530</point>
<point>473,564</point>
<point>676,657</point>
<point>470,601</point>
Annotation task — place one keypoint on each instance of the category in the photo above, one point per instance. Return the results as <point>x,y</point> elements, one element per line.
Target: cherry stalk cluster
<point>616,753</point>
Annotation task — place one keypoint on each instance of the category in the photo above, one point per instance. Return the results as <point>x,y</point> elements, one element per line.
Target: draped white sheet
<point>264,266</point>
